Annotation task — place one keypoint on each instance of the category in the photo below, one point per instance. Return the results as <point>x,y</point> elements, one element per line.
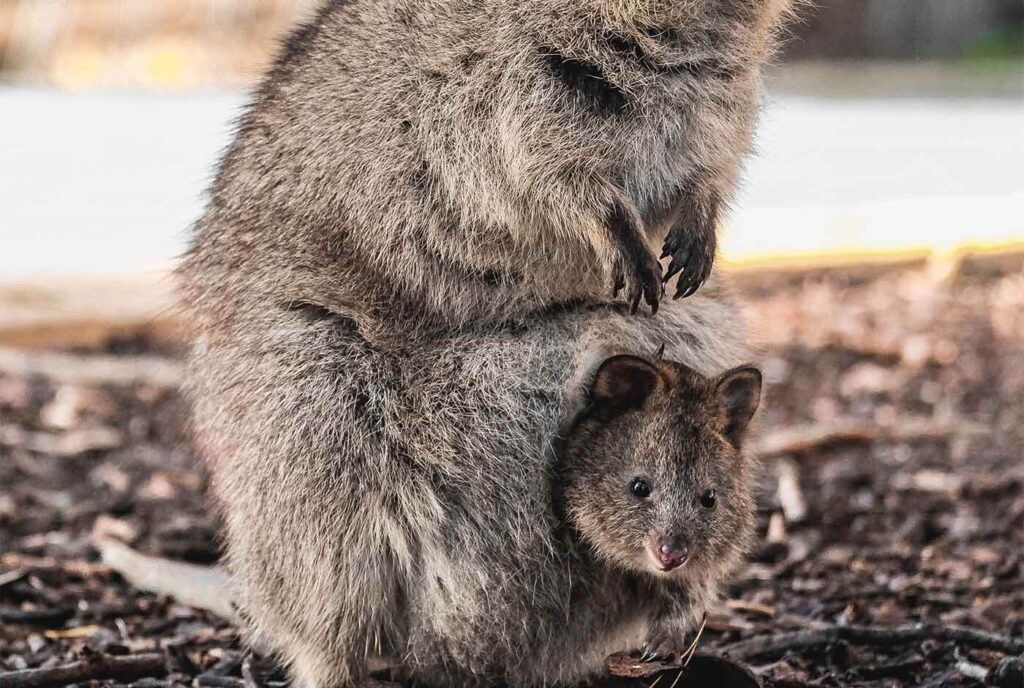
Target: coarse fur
<point>424,164</point>
<point>655,481</point>
<point>397,503</point>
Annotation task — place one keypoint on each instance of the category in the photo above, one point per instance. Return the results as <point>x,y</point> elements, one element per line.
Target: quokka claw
<point>692,260</point>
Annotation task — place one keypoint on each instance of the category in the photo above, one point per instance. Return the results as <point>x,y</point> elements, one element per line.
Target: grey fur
<point>678,434</point>
<point>432,163</point>
<point>398,502</point>
<point>441,172</point>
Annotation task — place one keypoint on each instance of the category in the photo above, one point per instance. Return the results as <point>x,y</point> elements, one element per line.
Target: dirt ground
<point>893,493</point>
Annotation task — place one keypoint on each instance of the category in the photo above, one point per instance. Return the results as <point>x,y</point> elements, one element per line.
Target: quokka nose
<point>672,552</point>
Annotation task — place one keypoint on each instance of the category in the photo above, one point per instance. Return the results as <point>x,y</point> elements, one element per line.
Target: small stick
<point>12,576</point>
<point>45,618</point>
<point>247,677</point>
<point>971,670</point>
<point>750,608</point>
<point>794,506</point>
<point>208,681</point>
<point>74,567</point>
<point>204,587</point>
<point>872,635</point>
<point>98,668</point>
<point>808,438</point>
<point>692,650</point>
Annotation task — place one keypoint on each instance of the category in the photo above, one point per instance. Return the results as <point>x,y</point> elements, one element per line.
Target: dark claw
<point>675,267</point>
<point>619,284</point>
<point>696,287</point>
<point>693,265</point>
<point>640,275</point>
<point>653,288</point>
<point>671,246</point>
<point>688,285</point>
<point>683,284</point>
<point>657,650</point>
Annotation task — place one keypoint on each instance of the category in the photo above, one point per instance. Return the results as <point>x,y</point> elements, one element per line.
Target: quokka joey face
<point>655,478</point>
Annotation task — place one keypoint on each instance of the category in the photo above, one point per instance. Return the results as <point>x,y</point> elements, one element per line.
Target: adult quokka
<point>422,165</point>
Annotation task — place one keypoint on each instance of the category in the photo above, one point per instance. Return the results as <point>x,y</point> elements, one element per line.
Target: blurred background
<point>891,125</point>
<point>878,241</point>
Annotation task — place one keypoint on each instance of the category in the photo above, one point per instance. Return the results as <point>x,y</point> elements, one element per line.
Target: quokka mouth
<point>653,560</point>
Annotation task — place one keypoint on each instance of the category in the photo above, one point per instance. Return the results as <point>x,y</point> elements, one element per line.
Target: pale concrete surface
<point>877,176</point>
<point>100,183</point>
<point>109,183</point>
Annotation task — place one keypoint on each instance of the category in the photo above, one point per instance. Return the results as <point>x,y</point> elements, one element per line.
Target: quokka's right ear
<point>740,390</point>
<point>623,383</point>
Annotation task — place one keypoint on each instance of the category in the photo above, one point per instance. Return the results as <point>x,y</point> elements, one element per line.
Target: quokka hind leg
<point>317,670</point>
<point>368,682</point>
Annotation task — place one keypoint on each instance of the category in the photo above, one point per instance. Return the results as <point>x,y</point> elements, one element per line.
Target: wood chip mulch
<point>891,516</point>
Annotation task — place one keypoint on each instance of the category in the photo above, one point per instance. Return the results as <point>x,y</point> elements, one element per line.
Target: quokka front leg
<point>672,636</point>
<point>634,266</point>
<point>692,239</point>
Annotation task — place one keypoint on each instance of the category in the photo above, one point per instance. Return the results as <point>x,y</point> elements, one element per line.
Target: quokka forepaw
<point>693,256</point>
<point>639,273</point>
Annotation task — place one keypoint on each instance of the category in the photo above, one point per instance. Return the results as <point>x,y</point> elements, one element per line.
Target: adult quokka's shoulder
<point>430,164</point>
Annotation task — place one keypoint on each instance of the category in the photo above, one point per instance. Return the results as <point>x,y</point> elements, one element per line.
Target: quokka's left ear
<point>623,383</point>
<point>740,391</point>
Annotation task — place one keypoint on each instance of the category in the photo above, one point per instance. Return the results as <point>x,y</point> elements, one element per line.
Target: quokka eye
<point>640,488</point>
<point>709,499</point>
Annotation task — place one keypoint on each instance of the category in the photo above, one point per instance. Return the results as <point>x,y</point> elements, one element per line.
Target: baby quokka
<point>656,483</point>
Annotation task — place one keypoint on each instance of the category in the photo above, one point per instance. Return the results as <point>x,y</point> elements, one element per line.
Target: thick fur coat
<point>382,284</point>
<point>432,163</point>
<point>399,503</point>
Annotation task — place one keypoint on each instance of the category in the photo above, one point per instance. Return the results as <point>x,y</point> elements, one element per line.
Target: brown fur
<point>679,434</point>
<point>381,373</point>
<point>397,504</point>
<point>427,164</point>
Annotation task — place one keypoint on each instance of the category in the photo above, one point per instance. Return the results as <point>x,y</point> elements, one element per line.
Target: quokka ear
<point>740,391</point>
<point>623,383</point>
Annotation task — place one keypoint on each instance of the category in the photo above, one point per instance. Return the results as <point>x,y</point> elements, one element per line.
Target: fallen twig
<point>74,567</point>
<point>971,670</point>
<point>247,676</point>
<point>97,668</point>
<point>218,675</point>
<point>45,618</point>
<point>807,438</point>
<point>794,506</point>
<point>1008,673</point>
<point>12,576</point>
<point>750,608</point>
<point>207,681</point>
<point>68,444</point>
<point>872,635</point>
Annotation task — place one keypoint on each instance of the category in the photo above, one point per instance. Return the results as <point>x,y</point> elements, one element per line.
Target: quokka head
<point>654,475</point>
